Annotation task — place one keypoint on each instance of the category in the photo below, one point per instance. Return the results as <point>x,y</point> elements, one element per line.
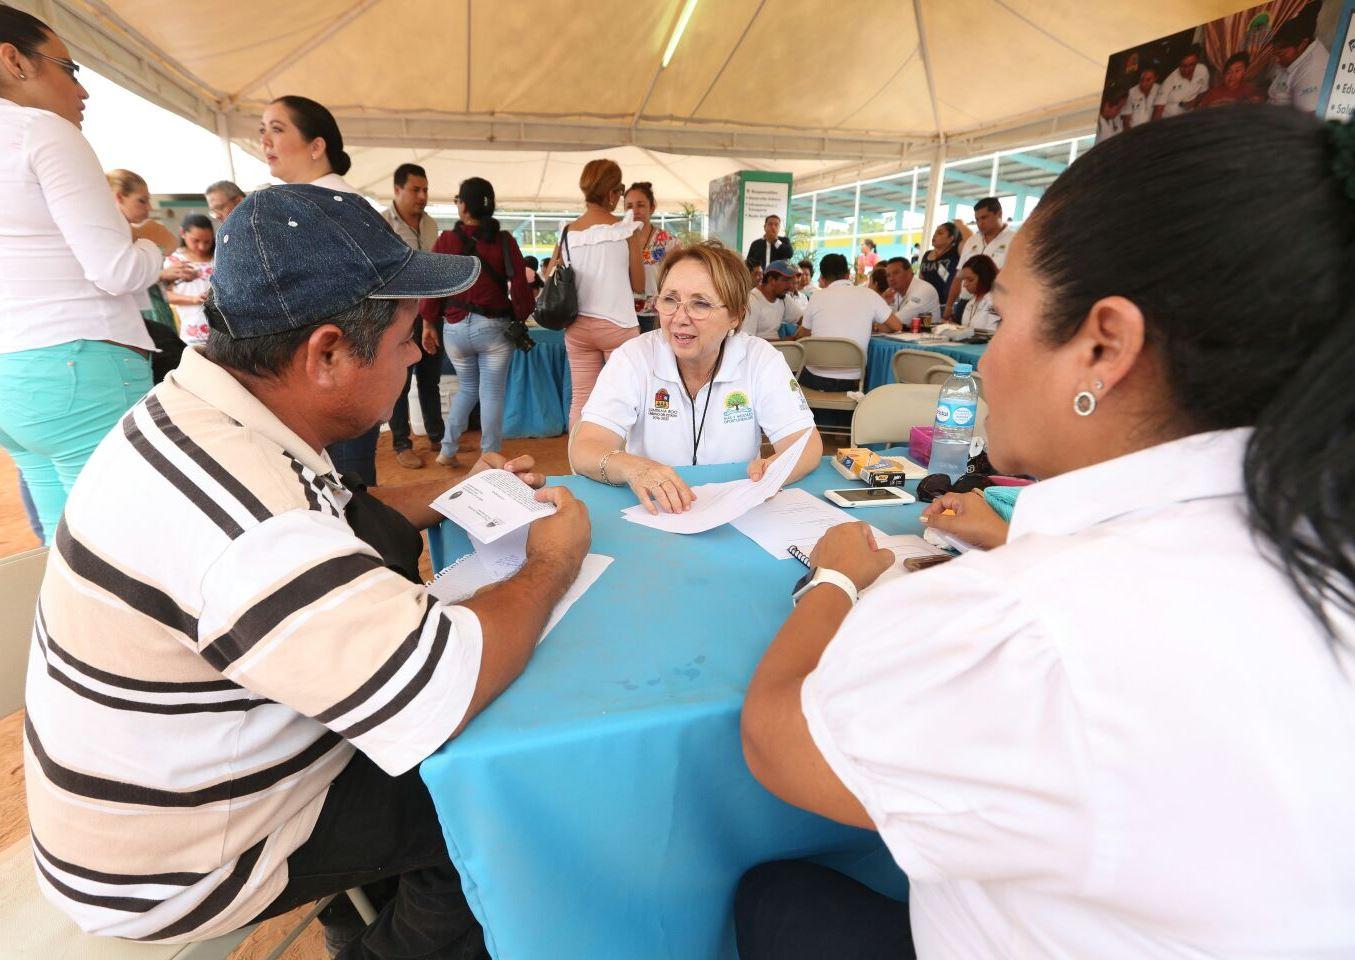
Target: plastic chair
<point>794,353</point>
<point>30,927</point>
<point>939,374</point>
<point>888,413</point>
<point>913,366</point>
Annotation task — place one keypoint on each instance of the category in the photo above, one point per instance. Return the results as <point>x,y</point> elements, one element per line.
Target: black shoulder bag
<point>515,327</point>
<point>558,305</point>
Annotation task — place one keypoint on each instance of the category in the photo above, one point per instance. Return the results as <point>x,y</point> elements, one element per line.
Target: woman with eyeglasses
<point>695,391</point>
<point>1125,732</point>
<point>74,350</point>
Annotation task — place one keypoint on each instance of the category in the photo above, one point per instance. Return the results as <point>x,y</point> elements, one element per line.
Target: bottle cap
<point>963,369</point>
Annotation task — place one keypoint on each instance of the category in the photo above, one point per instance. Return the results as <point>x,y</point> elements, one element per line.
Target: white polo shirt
<point>639,395</point>
<point>996,248</point>
<point>920,298</point>
<point>1300,84</point>
<point>1176,88</point>
<point>843,310</point>
<point>1069,768</point>
<point>1138,106</point>
<point>764,317</point>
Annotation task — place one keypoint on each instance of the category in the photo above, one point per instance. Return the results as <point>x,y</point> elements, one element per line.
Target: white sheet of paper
<point>792,517</point>
<point>506,555</point>
<point>491,504</point>
<point>463,578</point>
<point>720,503</point>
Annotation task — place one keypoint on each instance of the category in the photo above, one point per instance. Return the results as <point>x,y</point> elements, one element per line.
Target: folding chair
<point>794,353</point>
<point>833,352</point>
<point>912,366</point>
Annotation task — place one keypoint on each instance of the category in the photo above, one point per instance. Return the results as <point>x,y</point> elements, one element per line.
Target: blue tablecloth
<point>538,391</point>
<point>601,807</point>
<point>880,356</point>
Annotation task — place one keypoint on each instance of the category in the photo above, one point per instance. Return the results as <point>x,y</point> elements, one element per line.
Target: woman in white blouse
<point>74,351</point>
<point>695,391</point>
<point>977,278</point>
<point>1129,730</point>
<point>302,144</point>
<point>608,260</point>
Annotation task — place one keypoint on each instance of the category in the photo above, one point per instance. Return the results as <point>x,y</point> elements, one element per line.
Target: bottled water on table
<point>957,408</point>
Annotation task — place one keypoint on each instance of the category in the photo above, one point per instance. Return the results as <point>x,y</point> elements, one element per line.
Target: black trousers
<point>797,910</point>
<point>426,371</point>
<point>374,828</point>
<point>357,456</point>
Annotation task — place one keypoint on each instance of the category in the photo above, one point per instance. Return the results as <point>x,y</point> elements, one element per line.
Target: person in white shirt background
<point>302,143</point>
<point>74,350</point>
<point>841,309</point>
<point>806,286</point>
<point>1302,62</point>
<point>1116,733</point>
<point>409,218</point>
<point>196,253</point>
<point>1183,87</point>
<point>1109,121</point>
<point>910,295</point>
<point>1138,103</point>
<point>222,197</point>
<point>770,303</point>
<point>695,391</point>
<point>132,196</point>
<point>992,239</point>
<point>607,256</point>
<point>978,278</point>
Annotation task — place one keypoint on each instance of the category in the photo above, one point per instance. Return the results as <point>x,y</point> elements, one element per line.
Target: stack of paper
<point>721,503</point>
<point>791,518</point>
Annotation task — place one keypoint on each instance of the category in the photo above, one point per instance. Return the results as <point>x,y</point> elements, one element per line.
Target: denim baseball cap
<point>289,256</point>
<point>783,268</point>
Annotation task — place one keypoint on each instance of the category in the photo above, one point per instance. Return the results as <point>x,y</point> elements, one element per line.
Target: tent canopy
<point>527,91</point>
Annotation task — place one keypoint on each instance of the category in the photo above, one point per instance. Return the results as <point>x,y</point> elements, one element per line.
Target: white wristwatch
<point>824,575</point>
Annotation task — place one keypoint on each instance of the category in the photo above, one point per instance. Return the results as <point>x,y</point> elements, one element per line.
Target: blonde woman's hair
<point>125,182</point>
<point>728,273</point>
<point>598,180</point>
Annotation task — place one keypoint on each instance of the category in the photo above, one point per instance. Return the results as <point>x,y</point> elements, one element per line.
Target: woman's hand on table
<point>850,549</point>
<point>522,467</point>
<point>659,488</point>
<point>968,517</point>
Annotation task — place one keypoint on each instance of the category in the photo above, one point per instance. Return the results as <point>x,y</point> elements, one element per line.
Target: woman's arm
<point>809,456</point>
<point>82,207</point>
<point>655,485</point>
<point>185,300</point>
<point>777,744</point>
<point>636,251</point>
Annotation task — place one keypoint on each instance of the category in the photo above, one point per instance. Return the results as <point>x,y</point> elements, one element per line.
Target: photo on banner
<point>1279,52</point>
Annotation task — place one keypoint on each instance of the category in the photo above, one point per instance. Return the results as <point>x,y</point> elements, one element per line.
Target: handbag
<point>558,305</point>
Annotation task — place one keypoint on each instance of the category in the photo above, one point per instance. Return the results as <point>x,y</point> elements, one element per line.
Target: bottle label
<point>955,413</point>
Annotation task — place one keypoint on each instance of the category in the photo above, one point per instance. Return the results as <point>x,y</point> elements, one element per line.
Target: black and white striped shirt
<point>211,644</point>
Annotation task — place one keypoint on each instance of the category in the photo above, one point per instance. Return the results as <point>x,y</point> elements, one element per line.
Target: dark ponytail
<point>316,122</point>
<point>477,194</point>
<point>23,30</point>
<point>1233,231</point>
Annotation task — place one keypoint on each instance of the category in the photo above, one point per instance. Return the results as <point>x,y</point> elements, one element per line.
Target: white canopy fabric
<point>524,91</point>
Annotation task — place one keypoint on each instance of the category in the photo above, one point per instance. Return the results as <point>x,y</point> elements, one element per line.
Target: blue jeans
<point>480,353</point>
<point>56,404</point>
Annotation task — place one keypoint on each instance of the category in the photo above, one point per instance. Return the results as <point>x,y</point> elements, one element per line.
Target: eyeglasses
<point>698,308</point>
<point>70,66</point>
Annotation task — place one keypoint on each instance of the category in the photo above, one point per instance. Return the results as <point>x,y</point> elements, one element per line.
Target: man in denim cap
<point>236,667</point>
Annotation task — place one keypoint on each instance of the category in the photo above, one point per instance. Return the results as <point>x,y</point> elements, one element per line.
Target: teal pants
<point>56,404</point>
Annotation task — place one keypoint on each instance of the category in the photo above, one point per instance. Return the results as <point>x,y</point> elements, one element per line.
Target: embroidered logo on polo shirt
<point>662,409</point>
<point>737,407</point>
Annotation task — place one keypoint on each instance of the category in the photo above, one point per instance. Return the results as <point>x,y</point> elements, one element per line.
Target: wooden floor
<point>15,537</point>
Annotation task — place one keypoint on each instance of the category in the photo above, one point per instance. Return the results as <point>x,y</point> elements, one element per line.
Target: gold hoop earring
<point>1084,403</point>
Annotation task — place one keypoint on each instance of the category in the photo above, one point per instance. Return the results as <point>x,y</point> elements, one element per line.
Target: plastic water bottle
<point>957,408</point>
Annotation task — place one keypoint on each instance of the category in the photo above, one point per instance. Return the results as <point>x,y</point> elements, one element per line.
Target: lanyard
<point>710,388</point>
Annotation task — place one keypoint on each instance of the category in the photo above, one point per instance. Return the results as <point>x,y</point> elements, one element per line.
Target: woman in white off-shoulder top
<point>608,263</point>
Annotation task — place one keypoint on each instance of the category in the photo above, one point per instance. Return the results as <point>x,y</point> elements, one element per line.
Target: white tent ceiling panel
<point>831,90</point>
